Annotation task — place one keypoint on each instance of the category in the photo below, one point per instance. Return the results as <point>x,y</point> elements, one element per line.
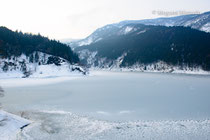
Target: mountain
<point>25,54</point>
<point>147,47</point>
<point>68,40</point>
<point>196,21</point>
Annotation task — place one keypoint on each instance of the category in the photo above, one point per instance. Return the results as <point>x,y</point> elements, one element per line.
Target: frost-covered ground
<point>17,82</point>
<point>71,126</point>
<point>42,71</point>
<point>10,125</point>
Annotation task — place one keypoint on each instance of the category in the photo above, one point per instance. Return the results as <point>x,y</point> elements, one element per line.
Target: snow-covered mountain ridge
<point>197,21</point>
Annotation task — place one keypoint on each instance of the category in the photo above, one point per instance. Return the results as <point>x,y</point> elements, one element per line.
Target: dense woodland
<point>148,44</point>
<point>17,43</point>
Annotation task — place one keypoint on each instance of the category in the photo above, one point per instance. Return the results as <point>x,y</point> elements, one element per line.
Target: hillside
<point>137,45</point>
<point>22,55</point>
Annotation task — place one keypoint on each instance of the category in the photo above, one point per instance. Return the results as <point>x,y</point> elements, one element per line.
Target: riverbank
<point>31,81</point>
<point>11,125</point>
<point>151,69</point>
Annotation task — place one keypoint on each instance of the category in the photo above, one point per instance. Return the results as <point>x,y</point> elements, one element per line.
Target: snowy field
<point>112,105</point>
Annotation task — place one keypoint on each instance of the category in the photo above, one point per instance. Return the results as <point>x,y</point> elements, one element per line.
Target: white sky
<point>60,19</point>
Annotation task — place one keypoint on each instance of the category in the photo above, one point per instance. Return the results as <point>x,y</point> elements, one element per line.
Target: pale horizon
<point>66,19</point>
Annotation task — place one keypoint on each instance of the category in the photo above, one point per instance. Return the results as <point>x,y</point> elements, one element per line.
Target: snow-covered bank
<point>177,71</point>
<point>45,66</point>
<point>66,125</point>
<point>159,67</point>
<point>42,71</point>
<point>96,63</point>
<point>11,125</point>
<point>18,82</point>
<point>36,73</point>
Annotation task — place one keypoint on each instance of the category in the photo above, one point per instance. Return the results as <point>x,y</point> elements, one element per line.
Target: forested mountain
<point>143,45</point>
<point>17,43</point>
<point>195,21</point>
<point>26,52</point>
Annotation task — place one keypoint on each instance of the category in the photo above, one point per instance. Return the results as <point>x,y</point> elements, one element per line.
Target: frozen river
<point>115,105</point>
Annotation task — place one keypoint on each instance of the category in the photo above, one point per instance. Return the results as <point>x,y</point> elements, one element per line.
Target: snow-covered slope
<point>37,64</point>
<point>11,125</point>
<point>196,21</point>
<point>96,36</point>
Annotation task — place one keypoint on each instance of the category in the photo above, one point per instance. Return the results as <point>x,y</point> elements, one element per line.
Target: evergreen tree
<point>17,43</point>
<point>36,57</point>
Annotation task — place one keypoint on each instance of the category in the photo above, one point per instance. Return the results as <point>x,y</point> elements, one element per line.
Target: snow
<point>52,125</point>
<point>127,30</point>
<point>141,32</point>
<point>60,124</point>
<point>10,125</point>
<point>19,82</point>
<point>53,71</point>
<point>91,39</point>
<point>98,39</point>
<point>98,63</point>
<point>42,70</point>
<point>206,27</point>
<point>87,41</point>
<point>115,65</point>
<point>153,67</point>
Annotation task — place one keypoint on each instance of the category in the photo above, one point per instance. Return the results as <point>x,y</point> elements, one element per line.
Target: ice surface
<point>115,105</point>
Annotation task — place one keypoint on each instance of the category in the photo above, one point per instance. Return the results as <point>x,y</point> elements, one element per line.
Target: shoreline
<point>35,81</point>
<point>200,72</point>
<point>11,125</point>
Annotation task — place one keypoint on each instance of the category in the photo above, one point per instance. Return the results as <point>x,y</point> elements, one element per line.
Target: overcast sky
<point>60,19</point>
